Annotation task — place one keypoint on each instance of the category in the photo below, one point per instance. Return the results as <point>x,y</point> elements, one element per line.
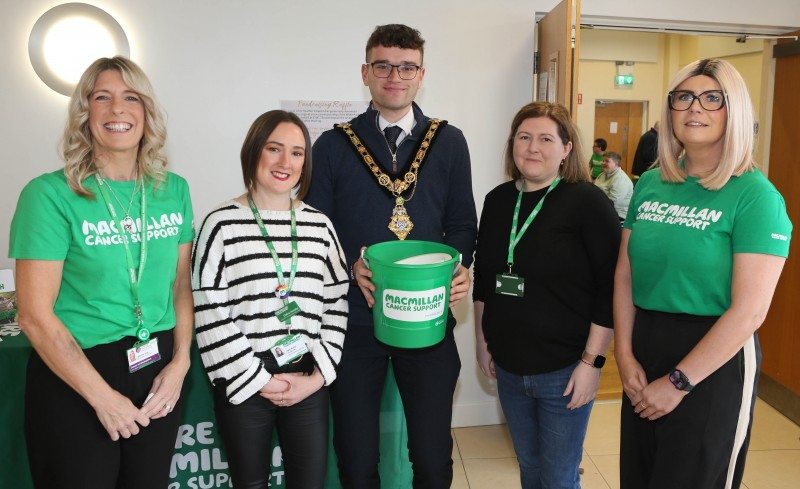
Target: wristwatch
<point>680,381</point>
<point>596,361</point>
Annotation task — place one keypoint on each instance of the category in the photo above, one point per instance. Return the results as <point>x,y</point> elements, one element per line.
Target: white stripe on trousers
<point>749,351</point>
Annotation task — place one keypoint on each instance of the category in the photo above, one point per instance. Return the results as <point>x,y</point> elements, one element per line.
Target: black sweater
<point>567,258</point>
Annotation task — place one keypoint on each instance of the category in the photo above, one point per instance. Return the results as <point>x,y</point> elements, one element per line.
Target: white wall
<point>217,65</point>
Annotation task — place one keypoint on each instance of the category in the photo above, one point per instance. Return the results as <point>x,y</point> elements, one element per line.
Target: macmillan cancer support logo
<point>677,215</point>
<point>104,233</point>
<point>414,306</point>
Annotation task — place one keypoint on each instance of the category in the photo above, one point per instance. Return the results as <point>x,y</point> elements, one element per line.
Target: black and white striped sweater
<point>234,280</point>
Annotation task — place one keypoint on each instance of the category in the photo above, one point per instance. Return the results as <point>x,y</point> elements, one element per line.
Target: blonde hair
<point>77,143</point>
<point>739,137</point>
<point>573,169</point>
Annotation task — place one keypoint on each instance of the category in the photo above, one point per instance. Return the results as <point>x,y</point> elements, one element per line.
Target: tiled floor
<point>484,455</point>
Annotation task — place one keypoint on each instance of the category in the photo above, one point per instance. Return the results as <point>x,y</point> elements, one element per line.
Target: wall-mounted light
<point>68,38</point>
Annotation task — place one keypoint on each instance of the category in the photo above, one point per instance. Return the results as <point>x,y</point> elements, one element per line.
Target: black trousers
<point>68,448</point>
<point>703,442</point>
<point>246,432</point>
<point>426,379</point>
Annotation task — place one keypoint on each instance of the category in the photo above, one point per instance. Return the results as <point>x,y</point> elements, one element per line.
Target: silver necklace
<point>127,222</point>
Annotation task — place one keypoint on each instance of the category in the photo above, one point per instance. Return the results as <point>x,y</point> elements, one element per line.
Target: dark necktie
<point>392,133</point>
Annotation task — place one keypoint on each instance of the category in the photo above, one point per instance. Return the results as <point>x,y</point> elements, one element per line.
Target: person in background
<point>270,284</point>
<point>412,179</point>
<point>544,272</point>
<point>615,183</point>
<point>596,160</point>
<point>646,151</point>
<point>702,249</point>
<point>103,283</point>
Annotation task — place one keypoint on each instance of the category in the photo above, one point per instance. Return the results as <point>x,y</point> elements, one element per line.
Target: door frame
<point>632,142</point>
<point>674,26</point>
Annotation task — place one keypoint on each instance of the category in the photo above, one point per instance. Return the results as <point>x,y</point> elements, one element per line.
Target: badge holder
<point>291,347</point>
<point>144,352</point>
<point>509,284</point>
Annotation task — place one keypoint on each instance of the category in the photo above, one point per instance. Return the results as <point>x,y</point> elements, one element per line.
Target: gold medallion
<point>400,224</point>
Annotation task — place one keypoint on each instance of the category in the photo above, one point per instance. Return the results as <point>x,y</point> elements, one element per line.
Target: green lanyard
<point>142,333</point>
<point>516,236</point>
<point>283,290</point>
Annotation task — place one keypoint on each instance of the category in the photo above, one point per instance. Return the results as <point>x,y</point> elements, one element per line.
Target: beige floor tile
<point>459,476</point>
<point>456,454</point>
<point>772,469</point>
<point>484,455</point>
<point>602,436</point>
<point>773,431</point>
<point>608,467</point>
<point>591,478</point>
<point>491,441</point>
<point>494,473</point>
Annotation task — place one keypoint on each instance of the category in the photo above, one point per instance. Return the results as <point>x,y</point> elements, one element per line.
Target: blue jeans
<point>548,437</point>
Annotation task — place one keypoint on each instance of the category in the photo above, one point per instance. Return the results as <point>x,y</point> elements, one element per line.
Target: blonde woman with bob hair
<point>102,249</point>
<point>544,274</point>
<point>737,150</point>
<point>703,246</point>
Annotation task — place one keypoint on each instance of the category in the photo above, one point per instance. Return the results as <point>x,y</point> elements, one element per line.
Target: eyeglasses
<point>709,100</point>
<point>384,70</point>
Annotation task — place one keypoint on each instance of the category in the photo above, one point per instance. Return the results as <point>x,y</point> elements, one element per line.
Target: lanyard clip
<point>137,309</point>
<point>509,267</point>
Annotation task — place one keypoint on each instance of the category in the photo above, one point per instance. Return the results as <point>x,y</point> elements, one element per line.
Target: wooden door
<point>780,334</point>
<point>620,124</point>
<point>557,42</point>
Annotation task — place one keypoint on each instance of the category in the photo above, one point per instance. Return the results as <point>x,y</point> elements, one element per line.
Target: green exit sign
<point>624,80</point>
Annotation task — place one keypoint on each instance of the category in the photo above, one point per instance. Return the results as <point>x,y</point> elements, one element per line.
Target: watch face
<point>599,361</point>
<point>678,379</point>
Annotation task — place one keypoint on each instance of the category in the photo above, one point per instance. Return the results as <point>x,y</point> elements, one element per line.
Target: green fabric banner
<point>199,460</point>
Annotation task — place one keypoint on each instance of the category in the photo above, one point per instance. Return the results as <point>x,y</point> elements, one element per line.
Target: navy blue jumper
<point>443,210</point>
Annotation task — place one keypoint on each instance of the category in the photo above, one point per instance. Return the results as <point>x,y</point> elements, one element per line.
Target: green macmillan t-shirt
<point>596,162</point>
<point>683,238</point>
<point>53,223</point>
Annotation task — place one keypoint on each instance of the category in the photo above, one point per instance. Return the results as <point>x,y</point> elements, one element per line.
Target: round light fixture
<point>68,38</point>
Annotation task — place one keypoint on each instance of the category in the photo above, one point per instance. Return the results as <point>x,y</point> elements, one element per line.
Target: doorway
<point>620,124</point>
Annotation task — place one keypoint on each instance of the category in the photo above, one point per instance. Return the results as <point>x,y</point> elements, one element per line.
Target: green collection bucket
<point>412,291</point>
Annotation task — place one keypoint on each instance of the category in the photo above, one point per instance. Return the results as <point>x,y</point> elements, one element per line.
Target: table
<point>199,459</point>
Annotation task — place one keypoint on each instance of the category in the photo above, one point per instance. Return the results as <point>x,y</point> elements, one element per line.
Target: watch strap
<point>596,361</point>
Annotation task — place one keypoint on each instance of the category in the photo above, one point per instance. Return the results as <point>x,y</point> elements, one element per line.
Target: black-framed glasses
<point>384,70</point>
<point>709,100</point>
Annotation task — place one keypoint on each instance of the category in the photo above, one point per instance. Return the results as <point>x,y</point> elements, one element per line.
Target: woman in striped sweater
<point>270,287</point>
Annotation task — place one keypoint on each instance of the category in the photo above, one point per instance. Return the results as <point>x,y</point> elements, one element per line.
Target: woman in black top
<point>543,293</point>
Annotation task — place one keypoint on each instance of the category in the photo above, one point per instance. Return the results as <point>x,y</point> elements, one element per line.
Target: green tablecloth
<point>14,351</point>
<point>199,460</point>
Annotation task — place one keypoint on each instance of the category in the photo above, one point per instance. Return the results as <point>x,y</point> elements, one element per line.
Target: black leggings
<point>68,448</point>
<point>246,432</point>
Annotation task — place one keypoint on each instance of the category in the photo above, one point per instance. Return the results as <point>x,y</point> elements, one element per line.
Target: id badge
<point>143,354</point>
<point>509,284</point>
<point>286,312</point>
<point>289,348</point>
